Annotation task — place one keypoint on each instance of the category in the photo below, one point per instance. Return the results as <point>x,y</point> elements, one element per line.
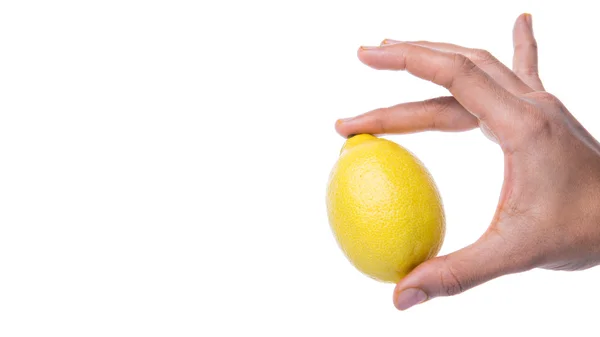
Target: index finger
<point>472,87</point>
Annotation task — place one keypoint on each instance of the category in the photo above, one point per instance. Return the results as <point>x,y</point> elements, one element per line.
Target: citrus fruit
<point>384,208</point>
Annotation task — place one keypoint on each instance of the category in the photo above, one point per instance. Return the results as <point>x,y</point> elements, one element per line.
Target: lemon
<point>384,208</point>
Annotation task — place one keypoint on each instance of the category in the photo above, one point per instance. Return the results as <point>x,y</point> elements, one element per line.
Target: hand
<point>548,215</point>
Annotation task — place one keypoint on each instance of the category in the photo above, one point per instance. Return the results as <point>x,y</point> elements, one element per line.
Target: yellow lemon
<point>384,208</point>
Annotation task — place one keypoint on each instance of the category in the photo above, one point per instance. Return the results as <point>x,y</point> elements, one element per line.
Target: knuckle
<point>461,66</point>
<point>543,128</point>
<point>436,108</point>
<point>546,98</point>
<point>529,45</point>
<point>463,63</point>
<point>380,117</point>
<point>483,56</point>
<point>539,123</point>
<point>438,104</point>
<point>451,285</point>
<point>529,71</point>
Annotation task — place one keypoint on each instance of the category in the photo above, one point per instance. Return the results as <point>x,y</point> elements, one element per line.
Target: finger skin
<point>484,60</point>
<point>441,114</point>
<point>525,59</point>
<point>485,260</point>
<point>472,87</point>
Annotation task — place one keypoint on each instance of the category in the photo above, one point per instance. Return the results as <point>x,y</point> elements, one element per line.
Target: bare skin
<point>550,161</point>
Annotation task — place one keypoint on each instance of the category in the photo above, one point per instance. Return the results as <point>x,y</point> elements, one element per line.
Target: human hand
<point>548,215</point>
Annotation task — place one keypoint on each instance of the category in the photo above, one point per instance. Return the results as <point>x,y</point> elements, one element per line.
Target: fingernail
<point>529,20</point>
<point>344,120</point>
<point>341,121</point>
<point>368,47</point>
<point>390,41</point>
<point>410,297</point>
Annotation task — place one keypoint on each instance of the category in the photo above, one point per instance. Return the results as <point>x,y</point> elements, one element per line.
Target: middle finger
<point>484,60</point>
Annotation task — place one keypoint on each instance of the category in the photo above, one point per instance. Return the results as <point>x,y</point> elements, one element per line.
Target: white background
<point>163,167</point>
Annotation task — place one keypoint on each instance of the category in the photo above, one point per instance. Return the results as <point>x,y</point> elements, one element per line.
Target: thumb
<point>491,256</point>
